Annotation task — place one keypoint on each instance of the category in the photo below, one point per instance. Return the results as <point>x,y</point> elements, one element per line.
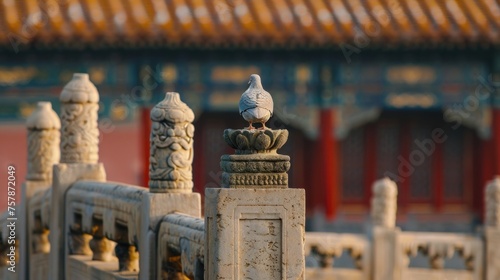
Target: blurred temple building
<point>368,88</point>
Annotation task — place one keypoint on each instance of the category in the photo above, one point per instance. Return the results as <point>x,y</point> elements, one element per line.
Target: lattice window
<point>388,149</point>
<point>421,179</point>
<point>352,165</point>
<point>453,169</point>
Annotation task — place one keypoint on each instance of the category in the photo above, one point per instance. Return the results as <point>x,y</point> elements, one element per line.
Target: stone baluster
<point>128,257</point>
<point>387,256</point>
<point>43,127</point>
<point>492,229</point>
<point>79,161</point>
<point>102,248</point>
<point>254,226</point>
<point>171,146</point>
<point>384,203</point>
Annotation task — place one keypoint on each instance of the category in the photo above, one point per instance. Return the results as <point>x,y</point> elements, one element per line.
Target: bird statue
<point>256,104</point>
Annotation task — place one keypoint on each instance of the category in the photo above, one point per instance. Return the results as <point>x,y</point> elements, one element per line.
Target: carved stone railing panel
<point>181,247</point>
<point>107,212</point>
<point>329,246</point>
<point>438,247</point>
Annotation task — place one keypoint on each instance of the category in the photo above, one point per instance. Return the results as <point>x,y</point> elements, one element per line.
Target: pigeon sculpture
<point>256,104</point>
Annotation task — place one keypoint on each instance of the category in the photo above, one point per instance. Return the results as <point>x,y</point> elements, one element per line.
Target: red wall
<point>119,151</point>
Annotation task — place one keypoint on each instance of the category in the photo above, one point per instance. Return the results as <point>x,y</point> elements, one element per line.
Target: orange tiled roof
<point>248,22</point>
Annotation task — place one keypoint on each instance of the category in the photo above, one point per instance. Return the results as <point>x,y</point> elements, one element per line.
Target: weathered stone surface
<point>43,142</point>
<point>79,132</point>
<point>171,146</point>
<point>254,233</point>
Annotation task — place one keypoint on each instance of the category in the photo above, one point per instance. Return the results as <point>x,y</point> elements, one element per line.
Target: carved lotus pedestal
<point>256,163</point>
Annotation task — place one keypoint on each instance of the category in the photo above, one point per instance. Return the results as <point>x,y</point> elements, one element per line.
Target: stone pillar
<point>171,146</point>
<point>80,135</point>
<point>43,142</point>
<point>43,152</point>
<point>384,203</point>
<point>385,233</point>
<point>254,227</point>
<point>79,160</point>
<point>170,177</point>
<point>492,229</point>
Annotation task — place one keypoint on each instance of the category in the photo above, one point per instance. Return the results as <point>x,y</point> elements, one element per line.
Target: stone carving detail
<point>493,203</point>
<point>128,257</point>
<point>171,146</point>
<point>384,203</point>
<point>80,135</point>
<point>43,142</point>
<point>256,163</point>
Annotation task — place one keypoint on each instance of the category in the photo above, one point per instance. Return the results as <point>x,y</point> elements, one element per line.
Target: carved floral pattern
<point>255,141</point>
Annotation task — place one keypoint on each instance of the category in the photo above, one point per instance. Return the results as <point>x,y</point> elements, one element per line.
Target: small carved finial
<point>492,197</point>
<point>171,146</point>
<point>80,135</point>
<point>384,203</point>
<point>43,142</point>
<point>256,104</point>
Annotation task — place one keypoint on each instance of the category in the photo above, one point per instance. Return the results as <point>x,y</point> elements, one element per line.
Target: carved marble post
<point>79,106</point>
<point>492,229</point>
<point>170,179</point>
<point>79,161</point>
<point>43,152</point>
<point>43,142</point>
<point>171,146</point>
<point>255,225</point>
<point>384,203</point>
<point>387,257</point>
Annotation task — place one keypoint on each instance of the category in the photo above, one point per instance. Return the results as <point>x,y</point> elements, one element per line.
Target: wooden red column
<point>145,131</point>
<point>496,141</point>
<point>329,159</point>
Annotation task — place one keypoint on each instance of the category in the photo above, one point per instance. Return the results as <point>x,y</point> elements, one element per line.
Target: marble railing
<point>103,221</point>
<point>326,247</point>
<point>181,245</point>
<point>438,248</point>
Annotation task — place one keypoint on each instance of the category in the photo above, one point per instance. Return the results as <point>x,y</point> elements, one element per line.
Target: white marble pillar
<point>254,228</point>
